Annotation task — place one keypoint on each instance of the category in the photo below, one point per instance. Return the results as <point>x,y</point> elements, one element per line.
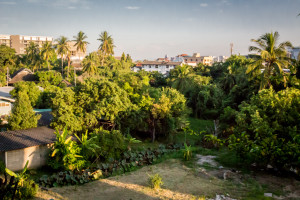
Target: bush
<point>155,181</point>
<point>267,129</point>
<point>27,190</point>
<point>112,144</point>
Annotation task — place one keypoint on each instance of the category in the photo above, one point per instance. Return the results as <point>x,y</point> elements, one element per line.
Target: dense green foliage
<point>31,89</point>
<point>65,153</point>
<point>7,62</point>
<point>46,78</point>
<point>267,128</point>
<point>22,116</point>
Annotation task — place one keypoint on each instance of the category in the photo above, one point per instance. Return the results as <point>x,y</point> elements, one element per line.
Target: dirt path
<point>180,182</point>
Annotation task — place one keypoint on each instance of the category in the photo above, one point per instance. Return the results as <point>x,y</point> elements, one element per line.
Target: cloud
<point>71,7</point>
<point>8,3</point>
<point>132,7</point>
<point>203,4</point>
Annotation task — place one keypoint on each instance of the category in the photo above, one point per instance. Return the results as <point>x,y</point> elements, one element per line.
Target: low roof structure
<point>20,139</point>
<point>22,74</point>
<point>5,91</point>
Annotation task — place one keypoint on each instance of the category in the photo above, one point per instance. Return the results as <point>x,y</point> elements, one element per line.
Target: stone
<point>268,194</point>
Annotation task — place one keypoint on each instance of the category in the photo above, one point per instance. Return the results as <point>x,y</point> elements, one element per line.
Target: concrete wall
<point>37,157</point>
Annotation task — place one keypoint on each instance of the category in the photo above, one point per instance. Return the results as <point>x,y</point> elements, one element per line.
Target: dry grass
<point>180,182</point>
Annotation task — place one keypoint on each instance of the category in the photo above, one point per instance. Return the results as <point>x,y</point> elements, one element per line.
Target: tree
<point>90,63</point>
<point>22,116</point>
<point>7,62</point>
<point>123,58</point>
<point>33,55</point>
<point>46,52</point>
<point>30,88</point>
<point>181,73</point>
<point>80,43</point>
<point>107,45</point>
<point>62,48</point>
<point>270,58</point>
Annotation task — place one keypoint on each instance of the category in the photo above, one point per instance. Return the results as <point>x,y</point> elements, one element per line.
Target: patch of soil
<point>180,182</point>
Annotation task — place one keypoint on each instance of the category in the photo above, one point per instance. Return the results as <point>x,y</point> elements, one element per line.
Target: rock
<point>228,175</point>
<point>253,164</point>
<point>268,194</point>
<point>221,167</point>
<point>269,166</point>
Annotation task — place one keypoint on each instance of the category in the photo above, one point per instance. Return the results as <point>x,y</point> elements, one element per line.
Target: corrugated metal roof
<point>19,139</point>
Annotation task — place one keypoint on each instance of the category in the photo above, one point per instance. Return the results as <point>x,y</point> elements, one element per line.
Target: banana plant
<point>88,144</point>
<point>187,151</point>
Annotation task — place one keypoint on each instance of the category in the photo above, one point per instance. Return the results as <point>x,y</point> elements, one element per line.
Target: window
<point>167,66</point>
<point>149,66</point>
<point>156,66</point>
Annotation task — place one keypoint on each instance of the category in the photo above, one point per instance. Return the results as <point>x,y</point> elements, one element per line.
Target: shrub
<point>187,151</point>
<point>112,144</point>
<point>27,190</point>
<point>155,181</point>
<point>267,129</point>
<point>65,153</point>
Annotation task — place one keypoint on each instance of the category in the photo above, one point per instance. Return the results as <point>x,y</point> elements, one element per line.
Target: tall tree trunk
<point>48,65</point>
<point>69,62</point>
<point>62,66</point>
<point>153,130</point>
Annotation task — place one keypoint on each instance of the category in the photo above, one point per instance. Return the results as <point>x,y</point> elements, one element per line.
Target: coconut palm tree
<point>107,45</point>
<point>31,51</point>
<point>46,52</point>
<point>80,43</point>
<point>90,63</point>
<point>270,58</point>
<point>62,48</point>
<point>181,77</point>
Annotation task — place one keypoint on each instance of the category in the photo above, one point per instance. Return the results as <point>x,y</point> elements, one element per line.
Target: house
<point>5,105</point>
<point>22,74</point>
<point>32,145</point>
<point>162,67</point>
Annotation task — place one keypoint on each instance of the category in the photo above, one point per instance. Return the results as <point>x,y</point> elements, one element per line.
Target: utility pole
<point>74,75</point>
<point>7,76</point>
<point>231,48</point>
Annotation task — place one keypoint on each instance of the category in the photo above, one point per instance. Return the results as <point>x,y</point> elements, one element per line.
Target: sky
<point>148,29</point>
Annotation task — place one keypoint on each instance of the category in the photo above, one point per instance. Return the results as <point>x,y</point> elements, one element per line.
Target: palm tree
<point>62,49</point>
<point>181,77</point>
<point>46,52</point>
<point>270,58</point>
<point>80,43</point>
<point>31,51</point>
<point>107,45</point>
<point>90,63</point>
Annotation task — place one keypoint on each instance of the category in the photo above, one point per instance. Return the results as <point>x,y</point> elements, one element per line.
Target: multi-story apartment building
<point>21,42</point>
<point>196,59</point>
<point>151,66</point>
<point>220,58</point>
<point>76,56</point>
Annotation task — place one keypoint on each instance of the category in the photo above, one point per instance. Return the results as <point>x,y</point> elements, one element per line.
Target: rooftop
<point>19,139</point>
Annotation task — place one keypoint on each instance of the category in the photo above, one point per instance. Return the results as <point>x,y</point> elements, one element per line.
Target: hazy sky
<point>147,29</point>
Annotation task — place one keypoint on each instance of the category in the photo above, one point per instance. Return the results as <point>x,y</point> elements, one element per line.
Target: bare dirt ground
<point>180,182</point>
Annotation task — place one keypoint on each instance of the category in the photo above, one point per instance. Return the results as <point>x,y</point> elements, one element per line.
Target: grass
<point>199,125</point>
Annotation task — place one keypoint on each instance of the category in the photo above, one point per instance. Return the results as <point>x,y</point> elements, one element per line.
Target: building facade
<point>294,52</point>
<point>21,42</point>
<point>156,66</point>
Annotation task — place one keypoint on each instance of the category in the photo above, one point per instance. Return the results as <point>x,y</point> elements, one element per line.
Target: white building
<point>220,58</point>
<point>152,66</point>
<point>294,52</point>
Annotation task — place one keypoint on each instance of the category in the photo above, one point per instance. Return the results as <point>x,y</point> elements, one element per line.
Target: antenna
<point>231,48</point>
